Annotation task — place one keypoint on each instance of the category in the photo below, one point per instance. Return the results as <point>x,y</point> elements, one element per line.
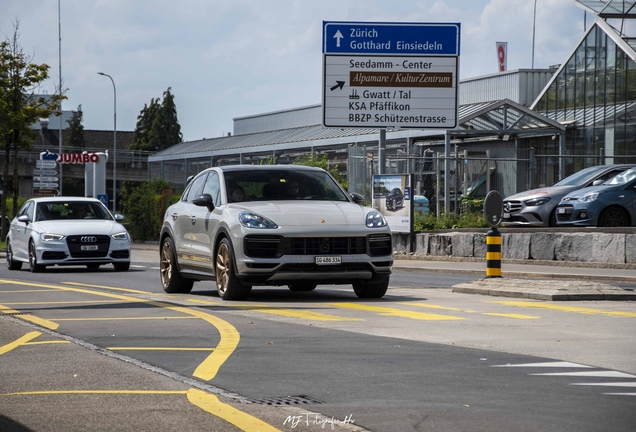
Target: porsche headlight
<point>48,237</point>
<point>253,220</point>
<point>536,201</point>
<point>120,236</point>
<point>375,220</point>
<point>589,197</point>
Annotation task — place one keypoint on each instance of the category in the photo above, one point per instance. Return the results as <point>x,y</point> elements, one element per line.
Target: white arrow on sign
<point>338,36</point>
<point>45,185</point>
<point>45,179</point>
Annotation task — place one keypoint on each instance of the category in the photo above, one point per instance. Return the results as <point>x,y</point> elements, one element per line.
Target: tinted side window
<point>195,189</point>
<point>213,187</point>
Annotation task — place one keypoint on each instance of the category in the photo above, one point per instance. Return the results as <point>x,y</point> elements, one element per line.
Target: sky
<point>224,59</point>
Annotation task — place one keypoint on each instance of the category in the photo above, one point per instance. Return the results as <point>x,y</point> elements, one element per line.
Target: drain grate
<point>286,400</point>
<point>14,313</point>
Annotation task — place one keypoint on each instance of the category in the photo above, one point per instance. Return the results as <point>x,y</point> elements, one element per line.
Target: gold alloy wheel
<point>165,266</point>
<point>222,268</point>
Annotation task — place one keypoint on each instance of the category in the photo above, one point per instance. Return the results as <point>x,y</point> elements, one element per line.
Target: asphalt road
<point>103,350</point>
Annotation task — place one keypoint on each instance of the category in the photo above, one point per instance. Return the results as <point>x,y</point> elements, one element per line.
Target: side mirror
<point>119,217</point>
<point>597,182</point>
<point>357,198</point>
<point>204,200</point>
<point>24,218</point>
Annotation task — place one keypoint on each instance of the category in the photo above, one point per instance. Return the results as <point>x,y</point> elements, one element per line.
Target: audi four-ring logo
<point>89,239</point>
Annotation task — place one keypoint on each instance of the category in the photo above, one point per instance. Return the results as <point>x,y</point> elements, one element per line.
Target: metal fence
<point>473,170</point>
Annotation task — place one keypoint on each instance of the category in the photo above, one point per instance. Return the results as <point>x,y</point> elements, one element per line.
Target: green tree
<point>20,107</point>
<point>75,136</point>
<point>141,135</point>
<point>145,206</point>
<point>157,125</point>
<point>321,160</point>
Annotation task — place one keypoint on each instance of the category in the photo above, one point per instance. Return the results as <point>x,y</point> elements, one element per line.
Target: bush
<point>449,221</point>
<point>145,206</point>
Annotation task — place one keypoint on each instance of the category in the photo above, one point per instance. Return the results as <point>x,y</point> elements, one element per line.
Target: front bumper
<point>59,253</point>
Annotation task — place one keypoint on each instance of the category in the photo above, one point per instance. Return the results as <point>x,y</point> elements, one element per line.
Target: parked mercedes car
<point>537,207</point>
<point>612,204</point>
<point>273,225</point>
<point>67,231</point>
<point>395,199</point>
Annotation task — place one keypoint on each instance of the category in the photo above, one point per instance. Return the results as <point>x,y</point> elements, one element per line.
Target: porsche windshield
<point>276,185</point>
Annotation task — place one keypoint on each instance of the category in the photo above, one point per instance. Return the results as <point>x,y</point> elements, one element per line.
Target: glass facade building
<point>594,95</point>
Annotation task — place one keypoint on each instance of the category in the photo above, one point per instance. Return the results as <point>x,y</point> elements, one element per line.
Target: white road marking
<point>546,364</point>
<point>599,374</point>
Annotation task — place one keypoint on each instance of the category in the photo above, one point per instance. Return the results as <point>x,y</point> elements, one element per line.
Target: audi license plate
<point>328,260</point>
<point>89,247</point>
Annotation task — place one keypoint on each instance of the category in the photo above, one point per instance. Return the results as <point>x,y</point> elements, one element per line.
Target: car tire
<point>371,289</point>
<point>92,266</point>
<point>121,267</point>
<point>171,279</point>
<point>302,287</point>
<point>613,217</point>
<point>11,263</point>
<point>33,259</point>
<point>227,284</point>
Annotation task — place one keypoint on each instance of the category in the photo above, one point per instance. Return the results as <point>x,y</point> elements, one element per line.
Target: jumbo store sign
<point>70,158</point>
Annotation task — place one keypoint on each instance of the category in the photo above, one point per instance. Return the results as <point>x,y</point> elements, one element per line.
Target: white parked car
<point>247,225</point>
<point>67,231</point>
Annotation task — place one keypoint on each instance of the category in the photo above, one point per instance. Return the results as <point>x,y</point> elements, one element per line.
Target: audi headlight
<point>48,237</point>
<point>120,236</point>
<point>589,197</point>
<point>375,220</point>
<point>536,201</point>
<point>253,220</point>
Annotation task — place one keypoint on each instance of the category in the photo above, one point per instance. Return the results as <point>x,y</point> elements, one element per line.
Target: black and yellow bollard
<point>493,253</point>
<point>493,211</point>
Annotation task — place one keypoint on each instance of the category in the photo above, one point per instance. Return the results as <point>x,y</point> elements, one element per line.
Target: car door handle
<point>193,219</point>
<point>174,216</point>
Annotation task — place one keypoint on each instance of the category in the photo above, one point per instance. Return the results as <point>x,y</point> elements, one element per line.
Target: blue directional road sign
<point>390,38</point>
<point>390,75</point>
<point>103,198</point>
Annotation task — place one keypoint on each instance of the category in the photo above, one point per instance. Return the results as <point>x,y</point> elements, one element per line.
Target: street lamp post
<point>114,141</point>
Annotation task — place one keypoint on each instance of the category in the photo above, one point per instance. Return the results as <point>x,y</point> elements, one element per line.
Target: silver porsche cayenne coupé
<point>273,225</point>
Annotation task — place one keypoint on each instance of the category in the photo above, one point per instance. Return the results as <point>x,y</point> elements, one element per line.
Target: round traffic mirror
<point>493,208</point>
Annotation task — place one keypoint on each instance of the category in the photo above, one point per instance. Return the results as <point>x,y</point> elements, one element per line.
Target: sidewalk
<point>565,282</point>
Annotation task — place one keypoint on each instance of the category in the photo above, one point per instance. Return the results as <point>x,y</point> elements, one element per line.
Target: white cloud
<point>232,58</point>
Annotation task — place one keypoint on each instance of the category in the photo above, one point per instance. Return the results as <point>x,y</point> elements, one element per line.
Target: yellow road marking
<point>229,336</point>
<point>48,342</point>
<point>35,320</point>
<point>307,315</point>
<point>426,305</point>
<point>27,291</point>
<point>211,404</point>
<point>123,319</point>
<point>575,309</point>
<point>385,311</point>
<point>517,316</point>
<point>430,306</point>
<point>107,287</point>
<point>63,302</point>
<point>157,349</point>
<point>20,341</point>
<point>207,402</point>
